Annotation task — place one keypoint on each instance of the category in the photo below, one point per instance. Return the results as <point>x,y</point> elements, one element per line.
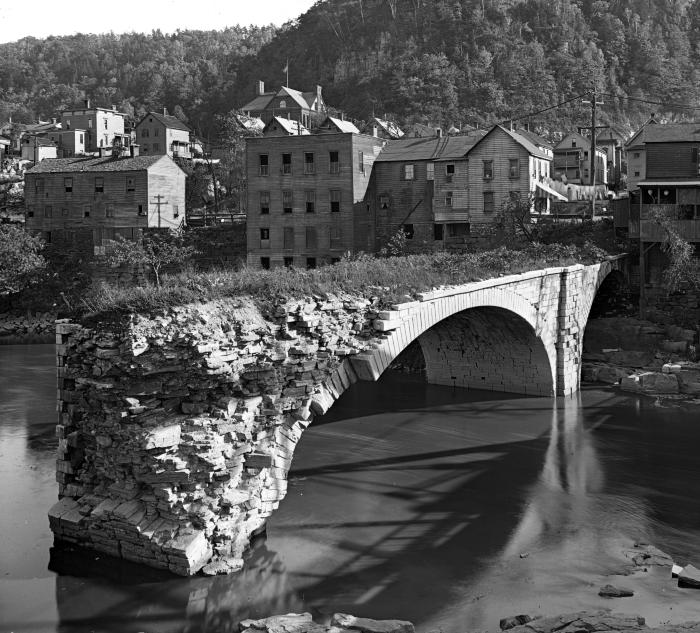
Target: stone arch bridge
<point>176,431</point>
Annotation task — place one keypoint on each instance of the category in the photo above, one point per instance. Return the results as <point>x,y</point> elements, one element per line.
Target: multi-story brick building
<point>304,193</point>
<point>101,125</point>
<point>158,133</point>
<point>104,196</point>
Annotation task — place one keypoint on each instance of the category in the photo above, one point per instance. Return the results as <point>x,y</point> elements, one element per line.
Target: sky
<point>41,18</point>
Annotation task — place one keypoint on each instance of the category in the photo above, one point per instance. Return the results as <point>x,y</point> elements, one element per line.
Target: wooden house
<point>305,107</point>
<point>305,193</point>
<point>106,196</point>
<point>37,148</point>
<point>159,134</point>
<point>279,126</point>
<point>101,126</point>
<point>572,161</point>
<point>502,165</point>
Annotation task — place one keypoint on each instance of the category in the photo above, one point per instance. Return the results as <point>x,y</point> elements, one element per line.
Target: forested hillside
<point>442,61</point>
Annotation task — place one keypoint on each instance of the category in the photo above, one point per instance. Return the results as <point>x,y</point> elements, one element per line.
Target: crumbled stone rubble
<point>176,431</point>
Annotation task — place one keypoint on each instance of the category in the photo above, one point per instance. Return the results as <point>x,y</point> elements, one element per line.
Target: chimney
<point>87,103</point>
<point>342,116</point>
<point>165,111</point>
<point>318,97</point>
<point>438,132</point>
<point>134,150</point>
<point>375,132</point>
<point>53,120</point>
<point>260,90</point>
<point>114,107</point>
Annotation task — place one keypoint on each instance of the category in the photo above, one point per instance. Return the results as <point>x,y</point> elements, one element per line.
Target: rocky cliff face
<point>176,431</point>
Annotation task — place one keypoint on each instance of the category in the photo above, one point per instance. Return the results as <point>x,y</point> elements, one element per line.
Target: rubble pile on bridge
<point>176,432</point>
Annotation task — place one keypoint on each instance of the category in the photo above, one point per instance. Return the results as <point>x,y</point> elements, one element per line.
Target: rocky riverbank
<point>643,357</point>
<point>38,327</point>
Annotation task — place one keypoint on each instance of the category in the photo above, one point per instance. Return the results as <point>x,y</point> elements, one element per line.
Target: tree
<point>515,216</point>
<point>153,250</point>
<point>683,268</point>
<point>21,261</point>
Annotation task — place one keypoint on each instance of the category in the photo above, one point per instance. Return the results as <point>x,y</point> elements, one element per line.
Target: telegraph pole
<point>159,201</point>
<point>594,102</point>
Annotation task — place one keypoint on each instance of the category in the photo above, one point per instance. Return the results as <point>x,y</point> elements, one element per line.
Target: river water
<point>449,508</point>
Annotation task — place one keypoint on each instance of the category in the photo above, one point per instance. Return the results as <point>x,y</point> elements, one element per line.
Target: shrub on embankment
<point>391,278</point>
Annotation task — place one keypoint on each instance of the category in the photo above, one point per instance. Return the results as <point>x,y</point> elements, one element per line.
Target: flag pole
<point>287,69</point>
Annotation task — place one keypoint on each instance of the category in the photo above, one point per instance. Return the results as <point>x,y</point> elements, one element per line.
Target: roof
<point>341,125</point>
<point>669,183</point>
<point>250,122</point>
<point>296,95</point>
<point>292,127</point>
<point>259,103</point>
<point>638,137</point>
<point>526,143</point>
<point>393,130</point>
<point>535,139</point>
<point>167,120</point>
<point>671,133</point>
<point>435,148</point>
<point>95,164</point>
<point>40,141</point>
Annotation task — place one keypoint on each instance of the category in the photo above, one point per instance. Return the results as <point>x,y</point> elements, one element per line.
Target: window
<point>264,235</point>
<point>573,143</point>
<point>265,263</point>
<point>68,185</point>
<point>636,154</point>
<point>99,184</point>
<point>156,147</point>
<point>68,124</point>
<point>264,167</point>
<point>283,104</point>
<point>176,211</point>
<point>30,214</point>
<point>65,213</point>
<point>141,211</point>
<point>311,241</point>
<point>513,168</point>
<point>335,260</point>
<point>145,133</point>
<point>408,172</point>
<point>155,132</point>
<point>309,163</point>
<point>286,163</point>
<point>82,140</point>
<point>130,185</point>
<point>288,262</point>
<point>310,201</point>
<point>287,201</point>
<point>335,200</point>
<point>361,162</point>
<point>334,237</point>
<point>488,169</point>
<point>86,211</point>
<point>264,202</point>
<point>384,201</point>
<point>311,262</point>
<point>38,185</point>
<point>636,173</point>
<point>105,121</point>
<point>430,171</point>
<point>335,163</point>
<point>408,231</point>
<point>694,154</point>
<point>109,211</point>
<point>488,202</point>
<point>288,237</point>
<point>48,212</point>
<point>448,199</point>
<point>90,124</point>
<point>449,171</point>
<point>438,231</point>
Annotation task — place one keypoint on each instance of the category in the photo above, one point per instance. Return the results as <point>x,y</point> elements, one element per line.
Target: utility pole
<point>594,102</point>
<point>159,201</point>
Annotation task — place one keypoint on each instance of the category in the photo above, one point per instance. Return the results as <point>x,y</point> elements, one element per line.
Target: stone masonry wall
<point>176,430</point>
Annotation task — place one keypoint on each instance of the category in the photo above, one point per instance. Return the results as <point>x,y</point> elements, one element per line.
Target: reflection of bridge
<point>181,448</point>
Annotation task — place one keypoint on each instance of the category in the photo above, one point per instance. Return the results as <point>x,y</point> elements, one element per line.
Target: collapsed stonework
<point>176,430</point>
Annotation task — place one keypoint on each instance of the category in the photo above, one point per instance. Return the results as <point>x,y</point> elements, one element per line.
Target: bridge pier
<point>176,430</point>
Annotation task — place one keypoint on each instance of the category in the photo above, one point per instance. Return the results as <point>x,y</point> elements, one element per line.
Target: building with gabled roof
<point>37,148</point>
<point>572,160</point>
<point>279,126</point>
<point>102,126</point>
<point>160,133</point>
<point>103,196</point>
<point>305,107</point>
<point>334,125</point>
<point>387,129</point>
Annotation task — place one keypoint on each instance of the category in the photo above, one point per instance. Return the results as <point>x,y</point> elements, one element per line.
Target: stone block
<point>162,437</point>
<point>367,625</point>
<point>258,460</point>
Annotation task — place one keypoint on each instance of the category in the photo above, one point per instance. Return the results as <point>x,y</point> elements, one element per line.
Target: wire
<point>529,114</point>
<point>677,106</point>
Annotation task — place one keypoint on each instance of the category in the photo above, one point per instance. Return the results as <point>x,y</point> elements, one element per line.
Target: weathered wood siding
<point>457,185</point>
<point>334,231</point>
<point>166,179</point>
<point>672,160</point>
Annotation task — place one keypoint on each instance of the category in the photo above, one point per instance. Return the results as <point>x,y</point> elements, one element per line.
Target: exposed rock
<point>650,383</point>
<point>583,621</point>
<point>689,577</point>
<point>610,591</point>
<point>366,625</point>
<point>645,555</point>
<point>513,621</point>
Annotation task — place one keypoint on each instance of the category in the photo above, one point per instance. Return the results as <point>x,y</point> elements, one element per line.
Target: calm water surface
<point>446,507</point>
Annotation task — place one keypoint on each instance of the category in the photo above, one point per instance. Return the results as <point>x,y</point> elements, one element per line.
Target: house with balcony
<point>102,127</point>
<point>308,108</point>
<point>93,199</point>
<point>572,161</point>
<point>158,134</point>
